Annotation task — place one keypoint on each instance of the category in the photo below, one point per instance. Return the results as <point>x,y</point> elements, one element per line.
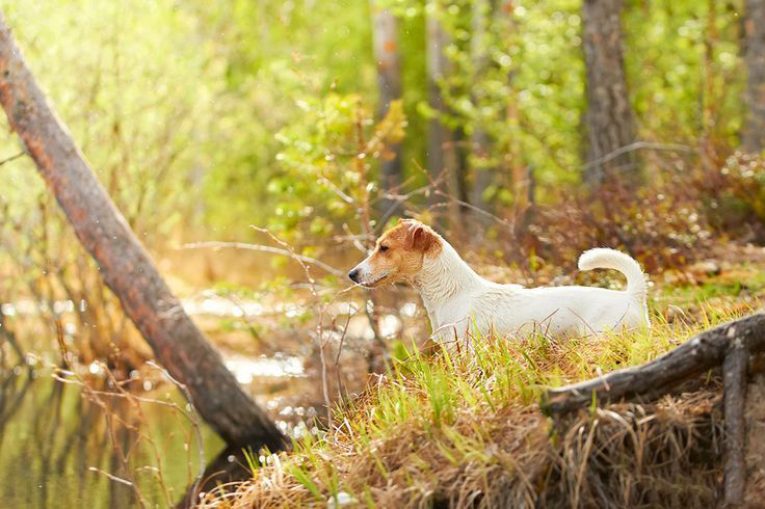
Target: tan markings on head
<point>399,253</point>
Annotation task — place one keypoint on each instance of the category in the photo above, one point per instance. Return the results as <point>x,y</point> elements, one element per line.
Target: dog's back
<point>584,310</point>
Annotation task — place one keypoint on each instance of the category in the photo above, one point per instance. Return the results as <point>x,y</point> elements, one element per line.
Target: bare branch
<point>215,244</point>
<point>12,158</point>
<point>639,145</point>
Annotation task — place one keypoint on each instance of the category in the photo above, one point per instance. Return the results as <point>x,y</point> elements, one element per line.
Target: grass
<point>464,430</point>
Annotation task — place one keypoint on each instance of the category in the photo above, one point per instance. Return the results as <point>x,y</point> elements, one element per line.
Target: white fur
<point>458,300</point>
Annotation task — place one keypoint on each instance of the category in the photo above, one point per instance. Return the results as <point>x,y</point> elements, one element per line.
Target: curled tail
<point>605,258</point>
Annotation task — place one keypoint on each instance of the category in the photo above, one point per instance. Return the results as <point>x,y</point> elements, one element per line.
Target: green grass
<point>441,426</point>
<point>743,281</point>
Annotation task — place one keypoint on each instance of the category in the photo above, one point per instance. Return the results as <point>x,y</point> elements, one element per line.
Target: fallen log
<point>729,345</point>
<point>702,352</point>
<point>125,266</point>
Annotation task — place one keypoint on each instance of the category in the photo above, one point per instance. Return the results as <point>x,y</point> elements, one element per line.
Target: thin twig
<point>340,352</point>
<point>397,200</point>
<point>12,158</point>
<point>356,240</point>
<point>215,244</point>
<point>639,145</point>
<point>320,325</point>
<point>473,208</point>
<point>112,477</point>
<point>192,417</point>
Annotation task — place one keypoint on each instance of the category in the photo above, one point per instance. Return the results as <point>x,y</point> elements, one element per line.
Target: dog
<point>460,303</point>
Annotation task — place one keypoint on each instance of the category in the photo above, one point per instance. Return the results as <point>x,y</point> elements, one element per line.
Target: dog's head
<point>398,255</point>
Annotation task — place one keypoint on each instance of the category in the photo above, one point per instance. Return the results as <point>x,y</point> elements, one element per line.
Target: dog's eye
<point>383,248</point>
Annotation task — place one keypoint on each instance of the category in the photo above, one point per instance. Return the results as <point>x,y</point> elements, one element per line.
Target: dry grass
<point>664,454</point>
<point>460,430</point>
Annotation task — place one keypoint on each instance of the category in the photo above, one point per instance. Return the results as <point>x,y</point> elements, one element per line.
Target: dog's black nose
<point>354,275</point>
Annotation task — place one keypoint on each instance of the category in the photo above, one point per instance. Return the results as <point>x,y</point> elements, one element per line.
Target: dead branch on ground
<point>728,346</point>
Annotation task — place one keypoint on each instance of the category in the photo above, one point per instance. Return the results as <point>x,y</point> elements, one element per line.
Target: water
<point>57,445</point>
<point>78,444</point>
<point>71,440</point>
<point>247,369</point>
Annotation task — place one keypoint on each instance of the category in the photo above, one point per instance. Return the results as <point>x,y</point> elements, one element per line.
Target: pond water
<point>71,440</point>
<point>62,448</point>
<point>76,440</point>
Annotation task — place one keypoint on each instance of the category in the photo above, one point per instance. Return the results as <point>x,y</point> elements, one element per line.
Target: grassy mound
<point>464,430</point>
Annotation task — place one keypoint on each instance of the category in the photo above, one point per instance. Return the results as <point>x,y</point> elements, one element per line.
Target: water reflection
<point>62,448</point>
<point>82,445</point>
<point>246,369</point>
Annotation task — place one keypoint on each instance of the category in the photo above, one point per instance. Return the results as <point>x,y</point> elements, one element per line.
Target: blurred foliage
<point>199,96</point>
<point>736,197</point>
<point>684,69</point>
<point>193,93</point>
<point>325,164</point>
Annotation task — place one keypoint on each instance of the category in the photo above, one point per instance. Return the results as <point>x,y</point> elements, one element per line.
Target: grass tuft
<point>464,429</point>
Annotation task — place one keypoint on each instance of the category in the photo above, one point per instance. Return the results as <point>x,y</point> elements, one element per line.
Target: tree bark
<point>388,58</point>
<point>754,58</point>
<point>125,266</point>
<point>705,351</point>
<point>480,140</point>
<point>734,385</point>
<point>609,118</point>
<point>754,412</point>
<point>442,155</point>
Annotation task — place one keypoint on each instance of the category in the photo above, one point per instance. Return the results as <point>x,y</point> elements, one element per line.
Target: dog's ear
<point>421,238</point>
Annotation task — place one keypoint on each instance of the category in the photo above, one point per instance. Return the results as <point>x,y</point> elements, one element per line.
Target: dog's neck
<point>442,278</point>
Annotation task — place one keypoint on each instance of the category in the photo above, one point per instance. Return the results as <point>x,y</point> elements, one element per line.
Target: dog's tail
<point>605,258</point>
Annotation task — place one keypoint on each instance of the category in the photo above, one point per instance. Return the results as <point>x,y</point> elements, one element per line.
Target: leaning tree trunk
<point>388,59</point>
<point>609,119</point>
<point>754,57</point>
<point>443,163</point>
<point>125,266</point>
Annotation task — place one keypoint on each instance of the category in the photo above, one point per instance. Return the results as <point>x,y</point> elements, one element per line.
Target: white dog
<point>459,301</point>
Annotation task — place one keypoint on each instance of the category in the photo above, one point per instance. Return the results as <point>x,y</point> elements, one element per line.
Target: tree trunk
<point>442,155</point>
<point>734,383</point>
<point>481,142</point>
<point>609,119</point>
<point>125,266</point>
<point>388,58</point>
<point>754,57</point>
<point>754,492</point>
